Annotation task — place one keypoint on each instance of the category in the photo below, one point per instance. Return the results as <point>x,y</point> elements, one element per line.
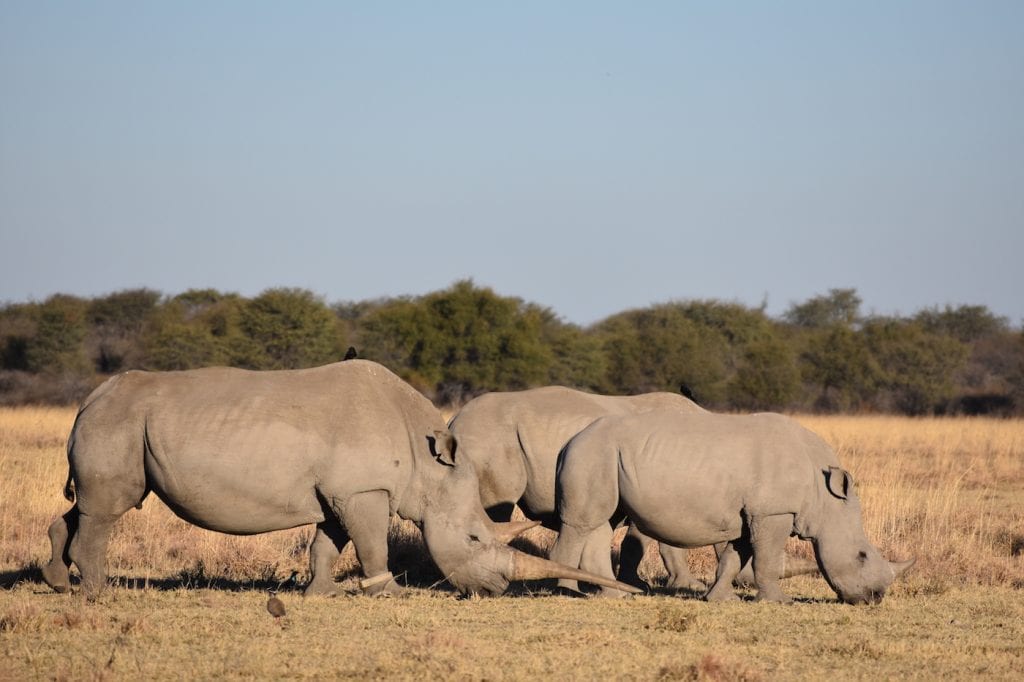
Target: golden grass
<point>950,491</point>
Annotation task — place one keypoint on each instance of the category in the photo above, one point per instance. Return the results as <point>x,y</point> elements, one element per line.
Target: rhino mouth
<point>871,598</point>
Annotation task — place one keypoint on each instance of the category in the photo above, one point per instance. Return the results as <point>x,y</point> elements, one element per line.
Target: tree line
<point>821,355</point>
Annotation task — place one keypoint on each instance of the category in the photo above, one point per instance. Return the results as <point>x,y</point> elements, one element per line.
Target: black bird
<point>687,392</point>
<point>351,353</point>
<point>275,607</point>
<point>291,582</point>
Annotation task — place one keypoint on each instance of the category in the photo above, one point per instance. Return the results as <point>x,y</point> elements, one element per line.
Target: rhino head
<point>466,545</point>
<point>851,565</point>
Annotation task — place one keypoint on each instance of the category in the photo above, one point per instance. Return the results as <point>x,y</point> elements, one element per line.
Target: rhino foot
<point>383,585</point>
<point>721,595</point>
<point>322,588</point>
<point>691,584</point>
<point>57,577</point>
<point>773,595</point>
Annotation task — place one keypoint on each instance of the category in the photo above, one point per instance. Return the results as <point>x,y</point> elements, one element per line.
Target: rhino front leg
<point>768,536</point>
<point>678,566</point>
<point>366,516</point>
<point>327,544</point>
<point>62,530</point>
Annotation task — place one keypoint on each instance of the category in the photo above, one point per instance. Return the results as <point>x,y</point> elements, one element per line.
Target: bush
<point>461,341</point>
<point>917,367</point>
<point>286,329</point>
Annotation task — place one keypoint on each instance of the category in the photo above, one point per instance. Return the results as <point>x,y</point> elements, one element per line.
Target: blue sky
<point>588,156</point>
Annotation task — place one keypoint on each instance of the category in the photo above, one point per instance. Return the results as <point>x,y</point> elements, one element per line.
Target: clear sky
<point>587,156</point>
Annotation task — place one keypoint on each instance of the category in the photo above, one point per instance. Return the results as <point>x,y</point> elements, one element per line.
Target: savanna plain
<point>187,603</point>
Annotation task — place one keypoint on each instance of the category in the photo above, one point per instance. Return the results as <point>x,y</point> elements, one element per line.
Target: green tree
<point>116,324</point>
<point>17,327</point>
<point>966,323</point>
<point>460,341</point>
<point>286,329</point>
<point>578,357</point>
<point>767,377</point>
<point>57,346</point>
<point>837,307</point>
<point>917,367</point>
<point>727,354</point>
<point>837,362</point>
<point>661,348</point>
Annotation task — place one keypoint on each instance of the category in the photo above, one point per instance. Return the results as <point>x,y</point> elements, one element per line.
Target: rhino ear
<point>839,482</point>
<point>443,446</point>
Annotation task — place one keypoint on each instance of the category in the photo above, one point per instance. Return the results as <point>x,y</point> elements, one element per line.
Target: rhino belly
<point>241,500</point>
<point>682,511</point>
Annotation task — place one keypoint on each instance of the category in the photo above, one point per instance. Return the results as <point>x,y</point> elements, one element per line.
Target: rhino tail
<point>69,488</point>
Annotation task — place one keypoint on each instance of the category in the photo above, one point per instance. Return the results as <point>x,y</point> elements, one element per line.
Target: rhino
<point>344,446</point>
<point>692,479</point>
<point>513,439</point>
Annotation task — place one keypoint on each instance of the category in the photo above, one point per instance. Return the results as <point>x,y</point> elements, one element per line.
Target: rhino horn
<point>901,567</point>
<point>505,532</point>
<point>528,567</point>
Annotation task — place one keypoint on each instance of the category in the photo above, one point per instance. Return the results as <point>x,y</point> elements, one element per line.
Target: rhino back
<point>689,479</point>
<point>514,438</point>
<point>244,452</point>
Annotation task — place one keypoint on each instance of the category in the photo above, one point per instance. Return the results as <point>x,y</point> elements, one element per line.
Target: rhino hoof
<point>689,585</point>
<point>57,578</point>
<point>721,596</point>
<point>383,585</point>
<point>322,590</point>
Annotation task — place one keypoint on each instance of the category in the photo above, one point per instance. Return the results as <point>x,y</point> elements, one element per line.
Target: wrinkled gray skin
<point>701,478</point>
<point>514,439</point>
<point>343,446</point>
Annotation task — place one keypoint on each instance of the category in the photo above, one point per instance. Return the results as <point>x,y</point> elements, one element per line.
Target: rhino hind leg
<point>631,553</point>
<point>568,550</point>
<point>88,549</point>
<point>596,557</point>
<point>678,566</point>
<point>366,516</point>
<point>329,540</point>
<point>57,572</point>
<point>768,536</point>
<point>732,556</point>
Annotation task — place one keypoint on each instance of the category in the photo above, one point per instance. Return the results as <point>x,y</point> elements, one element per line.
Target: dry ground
<point>189,603</point>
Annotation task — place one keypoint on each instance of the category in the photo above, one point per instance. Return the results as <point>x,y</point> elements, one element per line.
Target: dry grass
<point>950,491</point>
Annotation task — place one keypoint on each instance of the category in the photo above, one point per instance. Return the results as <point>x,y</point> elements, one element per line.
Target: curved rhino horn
<point>505,532</point>
<point>901,567</point>
<point>528,567</point>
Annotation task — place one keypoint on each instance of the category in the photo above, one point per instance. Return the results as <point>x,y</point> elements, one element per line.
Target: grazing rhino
<point>700,478</point>
<point>343,446</point>
<point>514,439</point>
